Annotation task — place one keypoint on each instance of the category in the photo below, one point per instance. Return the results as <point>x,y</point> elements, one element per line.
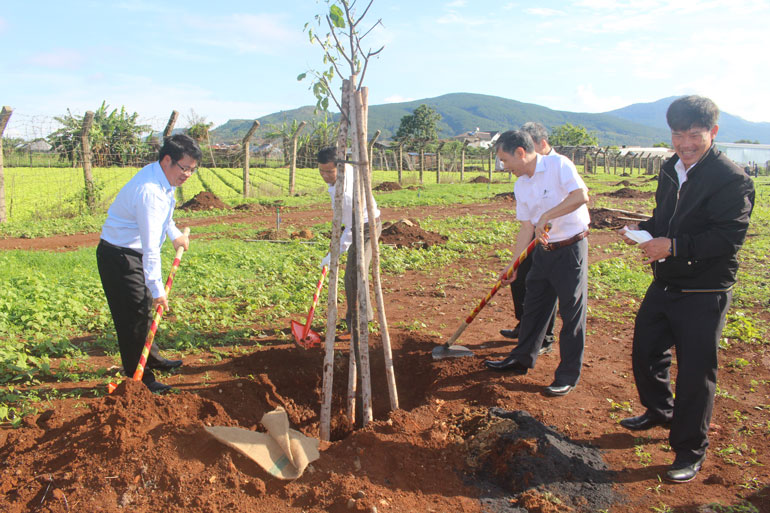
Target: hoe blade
<point>311,339</point>
<point>441,352</point>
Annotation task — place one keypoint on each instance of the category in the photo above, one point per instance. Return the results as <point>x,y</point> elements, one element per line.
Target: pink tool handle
<point>318,288</point>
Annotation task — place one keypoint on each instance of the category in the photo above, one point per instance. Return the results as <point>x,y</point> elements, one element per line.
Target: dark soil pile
<point>250,207</point>
<point>626,192</point>
<point>534,466</point>
<point>624,183</point>
<point>506,196</point>
<point>605,218</point>
<point>404,233</point>
<point>480,179</point>
<point>204,201</point>
<point>388,186</point>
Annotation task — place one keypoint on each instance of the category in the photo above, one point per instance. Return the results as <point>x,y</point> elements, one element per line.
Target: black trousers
<point>692,324</point>
<point>519,292</point>
<point>558,274</point>
<point>130,302</point>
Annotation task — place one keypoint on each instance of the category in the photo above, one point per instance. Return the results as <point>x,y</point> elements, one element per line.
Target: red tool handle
<point>315,302</point>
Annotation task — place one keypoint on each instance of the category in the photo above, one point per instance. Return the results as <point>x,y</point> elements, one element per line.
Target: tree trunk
<point>170,125</point>
<point>85,143</point>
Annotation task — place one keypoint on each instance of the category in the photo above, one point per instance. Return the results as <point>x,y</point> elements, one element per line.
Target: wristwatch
<point>671,248</point>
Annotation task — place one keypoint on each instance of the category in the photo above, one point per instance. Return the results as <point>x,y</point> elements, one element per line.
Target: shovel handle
<point>318,288</point>
<point>508,273</point>
<point>159,312</point>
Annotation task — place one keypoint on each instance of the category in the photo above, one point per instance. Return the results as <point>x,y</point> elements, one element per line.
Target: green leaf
<point>335,14</point>
<point>301,76</point>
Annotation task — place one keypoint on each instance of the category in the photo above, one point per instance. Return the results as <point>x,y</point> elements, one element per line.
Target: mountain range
<point>639,124</point>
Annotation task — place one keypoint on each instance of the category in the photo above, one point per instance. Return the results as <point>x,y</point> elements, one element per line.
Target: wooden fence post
<point>293,165</point>
<point>247,158</point>
<point>422,162</point>
<point>85,144</point>
<point>400,164</point>
<point>170,125</point>
<point>438,162</point>
<point>5,115</point>
<point>462,161</point>
<point>371,148</point>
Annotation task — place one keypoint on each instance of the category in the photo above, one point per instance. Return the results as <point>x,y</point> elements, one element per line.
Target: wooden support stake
<point>170,125</point>
<point>247,158</point>
<point>462,161</point>
<point>334,250</point>
<point>5,115</point>
<point>400,163</point>
<point>293,164</point>
<point>371,147</point>
<point>362,103</point>
<point>85,144</point>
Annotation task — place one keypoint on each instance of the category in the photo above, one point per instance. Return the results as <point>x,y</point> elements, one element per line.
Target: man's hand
<point>182,240</point>
<point>162,301</point>
<point>540,230</point>
<point>622,233</point>
<point>656,249</point>
<point>510,280</point>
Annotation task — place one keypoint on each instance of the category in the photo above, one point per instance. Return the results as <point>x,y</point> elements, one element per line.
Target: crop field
<point>231,304</point>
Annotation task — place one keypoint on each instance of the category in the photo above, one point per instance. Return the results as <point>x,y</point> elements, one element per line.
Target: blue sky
<point>237,59</point>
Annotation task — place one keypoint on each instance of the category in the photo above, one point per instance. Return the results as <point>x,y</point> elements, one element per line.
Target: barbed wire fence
<point>40,179</point>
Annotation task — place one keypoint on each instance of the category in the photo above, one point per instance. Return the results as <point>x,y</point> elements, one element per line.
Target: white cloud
<point>244,33</point>
<point>453,18</point>
<point>544,11</point>
<point>397,99</point>
<point>61,58</point>
<point>457,3</point>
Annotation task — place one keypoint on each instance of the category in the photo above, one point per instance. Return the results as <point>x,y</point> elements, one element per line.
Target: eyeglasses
<point>186,169</point>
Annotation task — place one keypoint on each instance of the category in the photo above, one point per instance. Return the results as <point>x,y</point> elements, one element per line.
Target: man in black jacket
<point>703,204</point>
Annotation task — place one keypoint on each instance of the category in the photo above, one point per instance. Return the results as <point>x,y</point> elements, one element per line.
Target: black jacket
<point>707,220</point>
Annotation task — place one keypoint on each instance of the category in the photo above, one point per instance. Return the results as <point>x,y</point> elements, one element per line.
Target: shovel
<point>448,350</point>
<point>139,372</point>
<point>303,335</point>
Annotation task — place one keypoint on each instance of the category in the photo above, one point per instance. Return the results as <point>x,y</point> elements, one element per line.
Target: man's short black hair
<point>179,145</point>
<point>512,139</point>
<point>536,130</point>
<point>327,154</point>
<point>692,111</point>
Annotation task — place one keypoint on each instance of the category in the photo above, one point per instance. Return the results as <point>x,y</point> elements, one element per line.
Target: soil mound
<point>624,183</point>
<point>535,466</point>
<point>204,201</point>
<point>626,192</point>
<point>506,196</point>
<point>405,233</point>
<point>480,179</point>
<point>605,218</point>
<point>250,207</point>
<point>388,186</point>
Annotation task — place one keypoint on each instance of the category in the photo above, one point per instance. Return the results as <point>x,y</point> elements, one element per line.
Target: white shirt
<point>346,239</point>
<point>140,219</point>
<point>554,178</point>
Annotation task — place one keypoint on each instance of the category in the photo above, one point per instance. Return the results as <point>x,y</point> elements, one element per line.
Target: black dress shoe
<point>514,333</point>
<point>555,390</point>
<point>683,472</point>
<point>507,365</point>
<point>546,348</point>
<point>644,421</point>
<point>163,364</point>
<point>156,387</point>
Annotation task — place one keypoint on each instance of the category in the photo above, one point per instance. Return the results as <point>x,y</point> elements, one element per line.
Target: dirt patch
<point>506,196</point>
<point>250,207</point>
<point>627,192</point>
<point>624,183</point>
<point>204,201</point>
<point>388,186</point>
<point>405,233</point>
<point>480,179</point>
<point>273,234</point>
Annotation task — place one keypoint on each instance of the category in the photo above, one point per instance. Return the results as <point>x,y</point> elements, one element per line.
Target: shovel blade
<point>312,339</point>
<point>441,352</point>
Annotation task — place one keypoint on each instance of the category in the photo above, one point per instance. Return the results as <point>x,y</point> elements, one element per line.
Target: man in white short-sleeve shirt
<point>548,191</point>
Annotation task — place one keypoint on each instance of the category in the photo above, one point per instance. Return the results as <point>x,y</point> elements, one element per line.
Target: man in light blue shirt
<point>128,255</point>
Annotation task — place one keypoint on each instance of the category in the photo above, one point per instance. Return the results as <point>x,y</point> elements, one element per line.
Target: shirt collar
<point>161,177</point>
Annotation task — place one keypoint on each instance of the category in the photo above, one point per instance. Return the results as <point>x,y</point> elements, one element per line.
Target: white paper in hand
<point>639,236</point>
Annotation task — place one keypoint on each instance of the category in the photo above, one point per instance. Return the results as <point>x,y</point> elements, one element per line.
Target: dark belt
<point>103,243</point>
<point>566,242</point>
